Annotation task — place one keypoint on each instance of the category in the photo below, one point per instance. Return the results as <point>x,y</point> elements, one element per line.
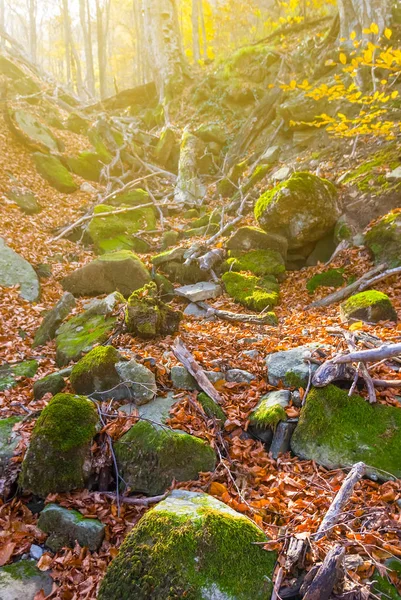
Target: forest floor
<point>285,497</point>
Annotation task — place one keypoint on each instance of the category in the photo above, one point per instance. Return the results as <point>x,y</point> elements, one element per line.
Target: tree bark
<point>85,19</point>
<point>164,46</point>
<point>67,40</point>
<point>326,576</point>
<point>195,30</point>
<point>203,29</point>
<point>357,15</point>
<point>33,39</point>
<point>102,26</point>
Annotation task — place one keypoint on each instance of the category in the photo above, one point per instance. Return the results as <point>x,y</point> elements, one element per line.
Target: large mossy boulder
<point>150,457</point>
<point>252,292</point>
<point>22,580</point>
<point>249,238</point>
<point>333,278</point>
<point>15,270</point>
<point>87,165</point>
<point>31,132</point>
<point>370,306</point>
<point>384,240</point>
<point>195,547</point>
<point>11,373</point>
<point>66,527</point>
<point>336,431</point>
<point>54,172</point>
<point>258,262</point>
<point>172,264</point>
<point>122,271</point>
<point>53,319</point>
<point>147,316</point>
<point>80,334</point>
<point>58,456</point>
<point>303,209</point>
<point>96,371</point>
<point>119,229</point>
<point>51,384</point>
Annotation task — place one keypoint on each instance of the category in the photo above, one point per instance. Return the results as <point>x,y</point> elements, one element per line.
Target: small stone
<point>11,373</point>
<point>254,354</point>
<point>65,527</point>
<point>270,156</point>
<point>204,290</point>
<point>296,398</point>
<point>282,438</point>
<point>15,270</point>
<point>239,376</point>
<point>22,580</point>
<point>51,384</point>
<point>394,175</point>
<point>156,411</point>
<point>9,441</point>
<point>141,382</point>
<point>290,367</point>
<point>193,310</point>
<point>104,306</point>
<point>53,319</point>
<point>183,380</point>
<point>282,174</point>
<point>36,552</point>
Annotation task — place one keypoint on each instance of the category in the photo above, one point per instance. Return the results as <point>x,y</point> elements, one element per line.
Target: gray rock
<point>141,381</point>
<point>36,552</point>
<point>296,398</point>
<point>289,366</point>
<point>157,411</point>
<point>189,520</point>
<point>11,373</point>
<point>15,270</point>
<point>9,441</point>
<point>204,290</point>
<point>51,384</point>
<point>282,438</point>
<point>239,376</point>
<point>394,175</point>
<point>53,319</point>
<point>36,132</point>
<point>281,397</point>
<point>22,580</point>
<point>183,380</point>
<point>193,310</point>
<point>270,156</point>
<point>282,174</point>
<point>65,527</point>
<point>25,200</point>
<point>254,354</point>
<point>103,306</point>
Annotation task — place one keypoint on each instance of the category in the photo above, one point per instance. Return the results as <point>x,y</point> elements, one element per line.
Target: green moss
<point>51,169</point>
<point>384,240</point>
<point>383,588</point>
<point>80,334</point>
<point>126,224</point>
<point>22,570</point>
<point>370,306</point>
<point>250,291</point>
<point>229,185</point>
<point>293,380</point>
<point>258,262</point>
<point>51,384</point>
<point>147,316</point>
<point>337,431</point>
<point>190,552</point>
<point>368,176</point>
<point>87,165</point>
<point>150,457</point>
<point>208,230</point>
<point>9,374</point>
<point>123,242</point>
<point>169,239</point>
<point>211,408</point>
<point>96,371</point>
<point>331,278</point>
<point>301,185</point>
<point>130,198</point>
<point>268,416</point>
<point>59,447</point>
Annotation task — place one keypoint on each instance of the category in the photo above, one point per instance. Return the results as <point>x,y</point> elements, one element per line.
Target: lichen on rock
<point>370,306</point>
<point>54,172</point>
<point>147,316</point>
<point>253,292</point>
<point>258,262</point>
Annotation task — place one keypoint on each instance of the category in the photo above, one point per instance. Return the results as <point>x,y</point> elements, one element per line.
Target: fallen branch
<point>362,367</point>
<point>181,352</point>
<point>358,286</point>
<point>210,259</point>
<point>373,355</point>
<point>135,501</point>
<point>326,576</point>
<point>344,493</point>
<point>225,315</point>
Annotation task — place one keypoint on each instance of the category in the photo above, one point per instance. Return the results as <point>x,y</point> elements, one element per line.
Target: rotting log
<point>326,575</point>
<point>142,95</point>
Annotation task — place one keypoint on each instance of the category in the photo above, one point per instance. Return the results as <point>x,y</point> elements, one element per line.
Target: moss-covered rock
<point>122,227</point>
<point>258,262</point>
<point>54,172</point>
<point>331,278</point>
<point>336,431</point>
<point>169,238</point>
<point>96,371</point>
<point>23,579</point>
<point>290,367</point>
<point>191,546</point>
<point>370,306</point>
<point>58,457</point>
<point>11,373</point>
<point>77,123</point>
<point>80,334</point>
<point>31,132</point>
<point>15,270</point>
<point>87,165</point>
<point>252,238</point>
<point>53,319</point>
<point>149,457</point>
<point>129,198</point>
<point>147,316</point>
<point>384,240</point>
<point>302,209</point>
<point>122,271</point>
<point>211,408</point>
<point>250,291</point>
<point>66,527</point>
<point>25,200</point>
<point>51,384</point>
<point>167,148</point>
<point>9,440</point>
<point>138,382</point>
<point>270,410</point>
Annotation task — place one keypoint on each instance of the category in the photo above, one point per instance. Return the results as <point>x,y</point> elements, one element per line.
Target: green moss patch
<point>211,408</point>
<point>267,416</point>
<point>96,371</point>
<point>371,306</point>
<point>258,262</point>
<point>150,457</point>
<point>191,546</point>
<point>331,278</point>
<point>384,240</point>
<point>51,169</point>
<point>250,291</point>
<point>147,316</point>
<point>10,374</point>
<point>57,457</point>
<point>80,334</point>
<point>87,165</point>
<point>336,431</point>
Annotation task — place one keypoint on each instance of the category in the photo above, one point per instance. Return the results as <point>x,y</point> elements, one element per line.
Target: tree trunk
<point>102,25</point>
<point>203,28</point>
<point>84,15</point>
<point>2,22</point>
<point>195,30</point>
<point>67,40</point>
<point>164,44</point>
<point>356,15</point>
<point>33,39</point>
